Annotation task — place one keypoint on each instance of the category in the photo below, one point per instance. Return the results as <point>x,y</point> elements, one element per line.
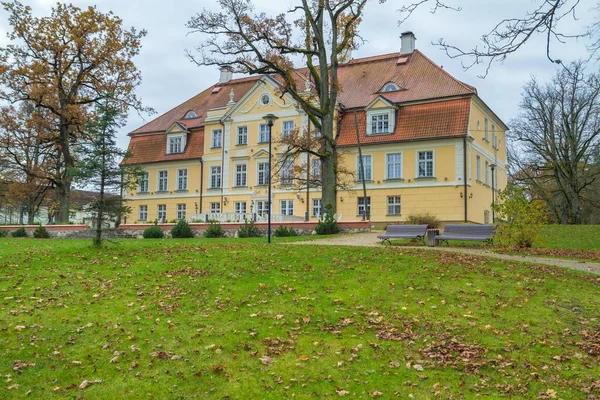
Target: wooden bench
<point>403,232</point>
<point>472,232</point>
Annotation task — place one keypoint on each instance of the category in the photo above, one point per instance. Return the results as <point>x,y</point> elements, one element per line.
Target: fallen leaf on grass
<point>341,392</point>
<point>266,360</point>
<point>87,383</point>
<point>20,328</point>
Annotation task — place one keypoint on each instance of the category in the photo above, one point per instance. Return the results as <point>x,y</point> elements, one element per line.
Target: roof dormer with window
<point>176,139</point>
<point>381,117</point>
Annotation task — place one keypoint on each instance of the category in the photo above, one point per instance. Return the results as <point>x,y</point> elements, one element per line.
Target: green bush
<point>41,233</point>
<point>182,230</point>
<point>249,230</point>
<point>327,226</point>
<point>283,231</point>
<point>3,234</point>
<point>522,219</point>
<point>21,232</point>
<point>423,219</point>
<point>154,232</point>
<point>214,230</point>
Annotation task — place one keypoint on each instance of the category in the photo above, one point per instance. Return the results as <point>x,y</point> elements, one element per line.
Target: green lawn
<point>586,237</point>
<point>236,318</point>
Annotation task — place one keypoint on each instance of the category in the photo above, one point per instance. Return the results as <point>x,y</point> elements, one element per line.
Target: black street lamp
<point>269,119</point>
<point>493,166</point>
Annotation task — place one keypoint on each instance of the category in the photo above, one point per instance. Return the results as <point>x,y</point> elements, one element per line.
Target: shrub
<point>182,230</point>
<point>214,230</point>
<point>41,233</point>
<point>21,232</point>
<point>154,232</point>
<point>327,226</point>
<point>283,231</point>
<point>522,219</point>
<point>423,219</point>
<point>3,234</point>
<point>249,230</point>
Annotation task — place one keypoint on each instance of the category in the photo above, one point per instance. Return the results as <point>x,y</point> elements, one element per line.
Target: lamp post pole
<point>493,166</point>
<point>269,119</point>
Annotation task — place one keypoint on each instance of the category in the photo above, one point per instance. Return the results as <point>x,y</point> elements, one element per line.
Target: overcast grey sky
<point>169,78</point>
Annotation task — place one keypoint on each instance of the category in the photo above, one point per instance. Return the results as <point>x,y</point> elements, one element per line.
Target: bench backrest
<point>486,231</point>
<point>407,229</point>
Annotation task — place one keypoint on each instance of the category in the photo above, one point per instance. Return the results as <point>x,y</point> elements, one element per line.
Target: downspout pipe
<point>201,182</point>
<point>466,196</point>
<point>222,161</point>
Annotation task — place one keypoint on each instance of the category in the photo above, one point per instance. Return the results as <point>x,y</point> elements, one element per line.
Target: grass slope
<point>240,319</point>
<point>586,237</point>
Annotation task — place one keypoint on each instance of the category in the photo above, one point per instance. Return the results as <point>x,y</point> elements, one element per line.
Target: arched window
<point>390,87</point>
<point>190,114</point>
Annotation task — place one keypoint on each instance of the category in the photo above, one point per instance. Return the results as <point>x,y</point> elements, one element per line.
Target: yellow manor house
<point>429,144</point>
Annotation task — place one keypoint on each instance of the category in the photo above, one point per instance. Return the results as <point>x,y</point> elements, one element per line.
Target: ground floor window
<point>239,207</point>
<point>287,207</point>
<point>162,213</point>
<point>180,211</point>
<point>393,205</point>
<point>215,208</point>
<point>143,213</point>
<point>361,205</point>
<point>262,208</point>
<point>316,207</point>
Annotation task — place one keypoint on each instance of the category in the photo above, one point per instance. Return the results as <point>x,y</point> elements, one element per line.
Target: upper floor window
<point>240,175</point>
<point>485,129</point>
<point>425,164</point>
<point>175,144</point>
<point>287,172</point>
<point>367,165</point>
<point>478,168</point>
<point>288,128</point>
<point>215,177</point>
<point>265,99</point>
<point>263,174</point>
<point>182,179</point>
<point>394,165</point>
<point>143,182</point>
<point>242,135</point>
<point>162,181</point>
<point>217,138</point>
<point>263,133</point>
<point>315,168</point>
<point>494,136</point>
<point>190,114</point>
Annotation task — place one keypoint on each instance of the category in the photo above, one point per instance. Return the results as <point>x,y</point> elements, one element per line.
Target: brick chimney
<point>407,43</point>
<point>226,74</point>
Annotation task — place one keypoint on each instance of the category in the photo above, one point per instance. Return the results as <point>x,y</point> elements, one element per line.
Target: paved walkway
<point>370,240</point>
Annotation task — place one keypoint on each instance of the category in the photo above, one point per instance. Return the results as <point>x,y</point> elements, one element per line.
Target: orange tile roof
<point>436,120</point>
<point>152,148</point>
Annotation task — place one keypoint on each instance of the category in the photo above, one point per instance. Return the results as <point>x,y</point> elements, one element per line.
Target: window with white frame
<point>143,182</point>
<point>143,213</point>
<point>315,168</point>
<point>263,133</point>
<point>478,168</point>
<point>215,177</point>
<point>390,87</point>
<point>288,128</point>
<point>217,138</point>
<point>263,174</point>
<point>316,133</point>
<point>394,165</point>
<point>163,180</point>
<point>367,165</point>
<point>240,174</point>
<point>485,127</point>
<point>262,208</point>
<point>316,207</point>
<point>493,135</point>
<point>425,164</point>
<point>239,207</point>
<point>287,172</point>
<point>215,207</point>
<point>361,205</point>
<point>393,203</point>
<point>175,145</point>
<point>380,121</point>
<point>242,135</point>
<point>182,179</point>
<point>190,114</point>
<point>161,213</point>
<point>487,175</point>
<point>180,211</point>
<point>286,207</point>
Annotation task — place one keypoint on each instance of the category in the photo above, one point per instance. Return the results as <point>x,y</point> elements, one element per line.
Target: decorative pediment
<point>177,128</point>
<point>380,102</point>
<point>262,153</point>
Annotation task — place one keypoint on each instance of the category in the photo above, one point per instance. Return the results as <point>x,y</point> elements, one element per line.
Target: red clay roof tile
<point>152,148</point>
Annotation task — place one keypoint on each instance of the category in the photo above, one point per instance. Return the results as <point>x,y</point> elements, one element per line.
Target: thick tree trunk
<point>64,188</point>
<point>31,209</point>
<point>329,165</point>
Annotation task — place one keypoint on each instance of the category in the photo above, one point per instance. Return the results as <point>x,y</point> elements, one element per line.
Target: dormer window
<point>175,144</point>
<point>190,114</point>
<point>380,122</point>
<point>390,87</point>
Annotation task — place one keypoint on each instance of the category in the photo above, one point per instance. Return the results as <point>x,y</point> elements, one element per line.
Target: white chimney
<point>226,74</point>
<point>407,43</point>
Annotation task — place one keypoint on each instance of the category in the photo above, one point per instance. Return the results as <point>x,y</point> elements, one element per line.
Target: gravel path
<point>370,240</point>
